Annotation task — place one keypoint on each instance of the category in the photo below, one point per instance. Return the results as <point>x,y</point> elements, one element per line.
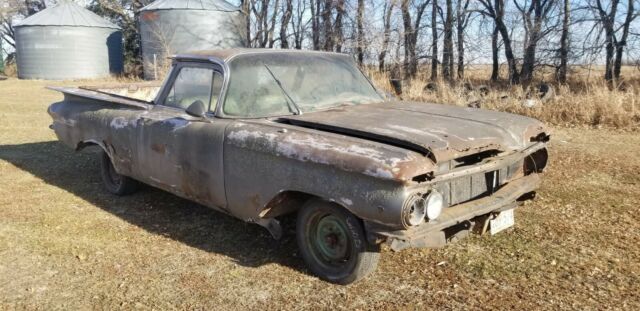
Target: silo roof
<point>66,13</point>
<point>210,5</point>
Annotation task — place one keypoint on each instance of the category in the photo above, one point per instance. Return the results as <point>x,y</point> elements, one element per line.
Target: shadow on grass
<point>154,210</point>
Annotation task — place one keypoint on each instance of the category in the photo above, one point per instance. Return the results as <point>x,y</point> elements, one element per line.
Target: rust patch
<point>159,148</point>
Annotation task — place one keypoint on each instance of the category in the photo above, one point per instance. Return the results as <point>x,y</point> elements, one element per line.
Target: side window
<point>215,90</point>
<point>191,84</point>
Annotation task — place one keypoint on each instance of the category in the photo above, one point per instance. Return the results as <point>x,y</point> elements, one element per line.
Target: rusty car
<point>259,134</point>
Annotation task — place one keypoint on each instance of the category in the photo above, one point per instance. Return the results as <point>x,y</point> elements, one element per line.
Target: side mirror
<point>196,109</point>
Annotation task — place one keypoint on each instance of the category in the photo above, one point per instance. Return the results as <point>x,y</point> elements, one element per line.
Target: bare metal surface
<point>366,158</point>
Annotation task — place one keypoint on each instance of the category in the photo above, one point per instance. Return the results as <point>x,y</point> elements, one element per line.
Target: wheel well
<point>88,143</point>
<point>285,202</point>
<point>290,201</point>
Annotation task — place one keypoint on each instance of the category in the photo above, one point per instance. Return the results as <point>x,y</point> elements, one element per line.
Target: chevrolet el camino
<point>258,134</point>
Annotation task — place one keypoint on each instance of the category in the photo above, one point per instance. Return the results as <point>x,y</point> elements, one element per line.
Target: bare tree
<point>264,21</point>
<point>495,54</point>
<point>615,34</point>
<point>561,71</point>
<point>620,44</point>
<point>338,27</point>
<point>534,15</point>
<point>360,32</point>
<point>298,23</point>
<point>272,24</point>
<point>462,20</point>
<point>607,19</point>
<point>388,10</point>
<point>434,40</point>
<point>12,10</point>
<point>447,48</point>
<point>316,6</point>
<point>327,21</point>
<point>246,6</point>
<point>287,11</point>
<point>495,10</point>
<point>410,35</point>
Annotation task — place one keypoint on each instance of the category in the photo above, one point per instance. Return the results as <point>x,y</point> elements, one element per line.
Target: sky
<point>478,33</point>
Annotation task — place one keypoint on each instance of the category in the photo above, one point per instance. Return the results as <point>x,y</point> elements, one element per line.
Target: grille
<point>466,188</point>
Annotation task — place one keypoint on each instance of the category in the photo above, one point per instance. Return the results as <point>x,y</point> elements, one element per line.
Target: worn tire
<point>343,238</point>
<point>114,182</point>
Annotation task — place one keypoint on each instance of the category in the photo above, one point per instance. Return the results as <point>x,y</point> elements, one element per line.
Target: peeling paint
<point>346,201</point>
<point>323,150</point>
<point>121,122</point>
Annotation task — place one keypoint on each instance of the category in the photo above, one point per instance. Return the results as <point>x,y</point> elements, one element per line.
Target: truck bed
<point>137,95</point>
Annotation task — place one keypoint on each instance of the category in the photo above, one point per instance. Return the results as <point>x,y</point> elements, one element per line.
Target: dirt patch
<point>67,244</point>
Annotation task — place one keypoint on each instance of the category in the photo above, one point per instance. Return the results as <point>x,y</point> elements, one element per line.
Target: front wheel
<point>333,244</point>
<point>114,182</point>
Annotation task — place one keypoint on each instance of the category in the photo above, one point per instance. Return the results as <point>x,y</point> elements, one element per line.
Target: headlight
<point>435,202</point>
<point>419,206</point>
<point>415,209</point>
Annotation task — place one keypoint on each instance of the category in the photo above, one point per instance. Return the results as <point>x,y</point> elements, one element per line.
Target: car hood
<point>442,132</point>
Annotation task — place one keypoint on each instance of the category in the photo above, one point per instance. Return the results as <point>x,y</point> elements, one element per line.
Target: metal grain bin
<point>67,41</point>
<point>177,26</point>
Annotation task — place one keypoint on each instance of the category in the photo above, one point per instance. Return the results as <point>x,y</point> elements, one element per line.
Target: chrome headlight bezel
<point>414,210</point>
<point>422,206</point>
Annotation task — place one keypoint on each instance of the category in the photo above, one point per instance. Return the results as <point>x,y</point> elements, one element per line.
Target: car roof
<point>225,55</point>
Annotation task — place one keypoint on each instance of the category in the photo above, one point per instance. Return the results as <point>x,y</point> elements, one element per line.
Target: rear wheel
<point>333,244</point>
<point>114,182</point>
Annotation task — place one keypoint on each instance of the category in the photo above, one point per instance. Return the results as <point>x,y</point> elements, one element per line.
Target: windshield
<point>276,84</point>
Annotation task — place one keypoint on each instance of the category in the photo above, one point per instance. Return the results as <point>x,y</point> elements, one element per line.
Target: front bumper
<point>460,217</point>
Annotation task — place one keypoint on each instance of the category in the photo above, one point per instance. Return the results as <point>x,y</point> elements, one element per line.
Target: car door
<point>179,152</point>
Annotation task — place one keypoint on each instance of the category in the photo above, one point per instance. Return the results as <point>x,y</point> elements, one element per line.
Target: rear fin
<point>108,98</point>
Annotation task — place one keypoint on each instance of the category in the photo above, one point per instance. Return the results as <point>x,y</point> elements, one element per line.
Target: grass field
<point>585,100</point>
<point>67,244</point>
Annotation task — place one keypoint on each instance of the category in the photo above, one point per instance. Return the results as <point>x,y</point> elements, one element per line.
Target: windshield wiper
<point>290,102</point>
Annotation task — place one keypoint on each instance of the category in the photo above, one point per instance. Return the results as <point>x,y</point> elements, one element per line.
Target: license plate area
<point>503,220</point>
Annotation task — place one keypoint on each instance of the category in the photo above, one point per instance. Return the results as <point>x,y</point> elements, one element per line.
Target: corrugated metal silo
<point>177,26</point>
<point>67,41</point>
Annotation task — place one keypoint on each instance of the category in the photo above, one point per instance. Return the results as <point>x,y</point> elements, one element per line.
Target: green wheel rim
<point>329,240</point>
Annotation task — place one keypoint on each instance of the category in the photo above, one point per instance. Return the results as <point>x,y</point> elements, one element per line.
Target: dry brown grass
<point>67,244</point>
<point>584,101</point>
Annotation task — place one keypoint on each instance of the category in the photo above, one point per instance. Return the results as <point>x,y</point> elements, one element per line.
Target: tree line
<point>401,34</point>
<point>441,37</point>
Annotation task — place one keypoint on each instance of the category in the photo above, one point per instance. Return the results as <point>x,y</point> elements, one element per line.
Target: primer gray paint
<point>170,27</point>
<point>67,41</point>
